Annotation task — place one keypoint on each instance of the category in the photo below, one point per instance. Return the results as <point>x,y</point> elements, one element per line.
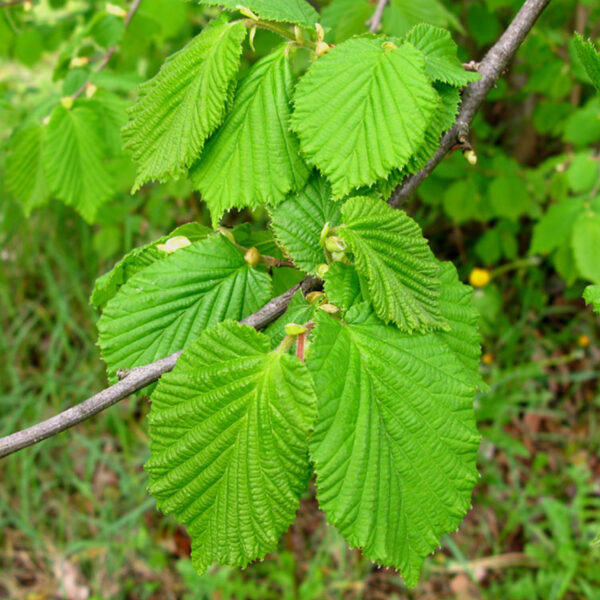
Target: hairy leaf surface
<point>390,251</point>
<point>299,220</point>
<point>25,177</point>
<point>184,103</point>
<point>229,429</point>
<point>166,306</point>
<point>298,12</point>
<point>108,284</point>
<point>74,153</point>
<point>395,443</point>
<point>362,110</point>
<point>441,59</point>
<point>253,158</point>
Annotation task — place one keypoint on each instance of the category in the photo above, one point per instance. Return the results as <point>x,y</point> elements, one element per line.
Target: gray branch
<point>135,380</point>
<point>375,21</point>
<point>491,68</point>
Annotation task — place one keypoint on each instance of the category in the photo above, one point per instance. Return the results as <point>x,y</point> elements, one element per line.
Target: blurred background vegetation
<point>75,519</point>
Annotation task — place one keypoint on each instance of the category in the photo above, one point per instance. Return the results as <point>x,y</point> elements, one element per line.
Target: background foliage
<point>75,520</point>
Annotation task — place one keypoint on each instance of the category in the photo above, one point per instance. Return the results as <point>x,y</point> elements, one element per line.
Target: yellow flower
<point>479,277</point>
<point>487,359</point>
<point>583,340</point>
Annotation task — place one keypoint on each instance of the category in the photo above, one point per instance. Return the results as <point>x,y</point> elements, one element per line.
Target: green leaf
<point>299,220</point>
<point>395,444</point>
<point>344,287</point>
<point>390,251</point>
<point>441,59</point>
<point>443,120</point>
<point>554,228</point>
<point>585,242</point>
<point>74,158</point>
<point>184,103</point>
<point>228,430</point>
<point>362,110</point>
<point>298,12</point>
<point>166,306</point>
<point>589,57</point>
<point>592,296</point>
<point>402,15</point>
<point>346,18</point>
<point>25,177</point>
<point>298,311</point>
<point>456,302</point>
<point>107,286</point>
<point>253,158</point>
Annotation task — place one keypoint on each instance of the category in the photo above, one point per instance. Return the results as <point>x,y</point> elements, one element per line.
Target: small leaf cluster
<point>366,113</point>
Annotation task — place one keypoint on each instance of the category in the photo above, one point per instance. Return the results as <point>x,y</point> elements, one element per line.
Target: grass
<point>75,517</point>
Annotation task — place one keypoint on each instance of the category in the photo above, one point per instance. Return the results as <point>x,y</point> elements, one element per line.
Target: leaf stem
<point>279,30</point>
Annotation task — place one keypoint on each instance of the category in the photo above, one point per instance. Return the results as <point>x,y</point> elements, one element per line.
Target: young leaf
<point>299,220</point>
<point>228,430</point>
<point>108,285</point>
<point>395,444</point>
<point>166,306</point>
<point>343,286</point>
<point>253,158</point>
<point>298,12</point>
<point>592,296</point>
<point>390,251</point>
<point>74,153</point>
<point>362,110</point>
<point>299,311</point>
<point>441,60</point>
<point>585,242</point>
<point>25,177</point>
<point>184,103</point>
<point>589,57</point>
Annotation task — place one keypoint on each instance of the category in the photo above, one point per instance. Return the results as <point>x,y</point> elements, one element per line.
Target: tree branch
<point>105,59</point>
<point>375,21</point>
<point>491,68</point>
<point>135,380</point>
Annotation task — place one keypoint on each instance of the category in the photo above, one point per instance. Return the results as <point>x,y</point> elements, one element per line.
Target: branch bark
<point>135,380</point>
<point>375,21</point>
<point>491,68</point>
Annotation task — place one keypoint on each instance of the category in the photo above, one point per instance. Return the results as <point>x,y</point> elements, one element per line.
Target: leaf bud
<point>322,270</point>
<point>293,329</point>
<point>252,257</point>
<point>388,46</point>
<point>320,32</point>
<point>324,233</point>
<point>173,244</point>
<point>90,90</point>
<point>471,157</point>
<point>314,297</point>
<point>247,12</point>
<point>322,48</point>
<point>227,233</point>
<point>117,11</point>
<point>335,244</point>
<point>331,309</point>
<point>67,102</point>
